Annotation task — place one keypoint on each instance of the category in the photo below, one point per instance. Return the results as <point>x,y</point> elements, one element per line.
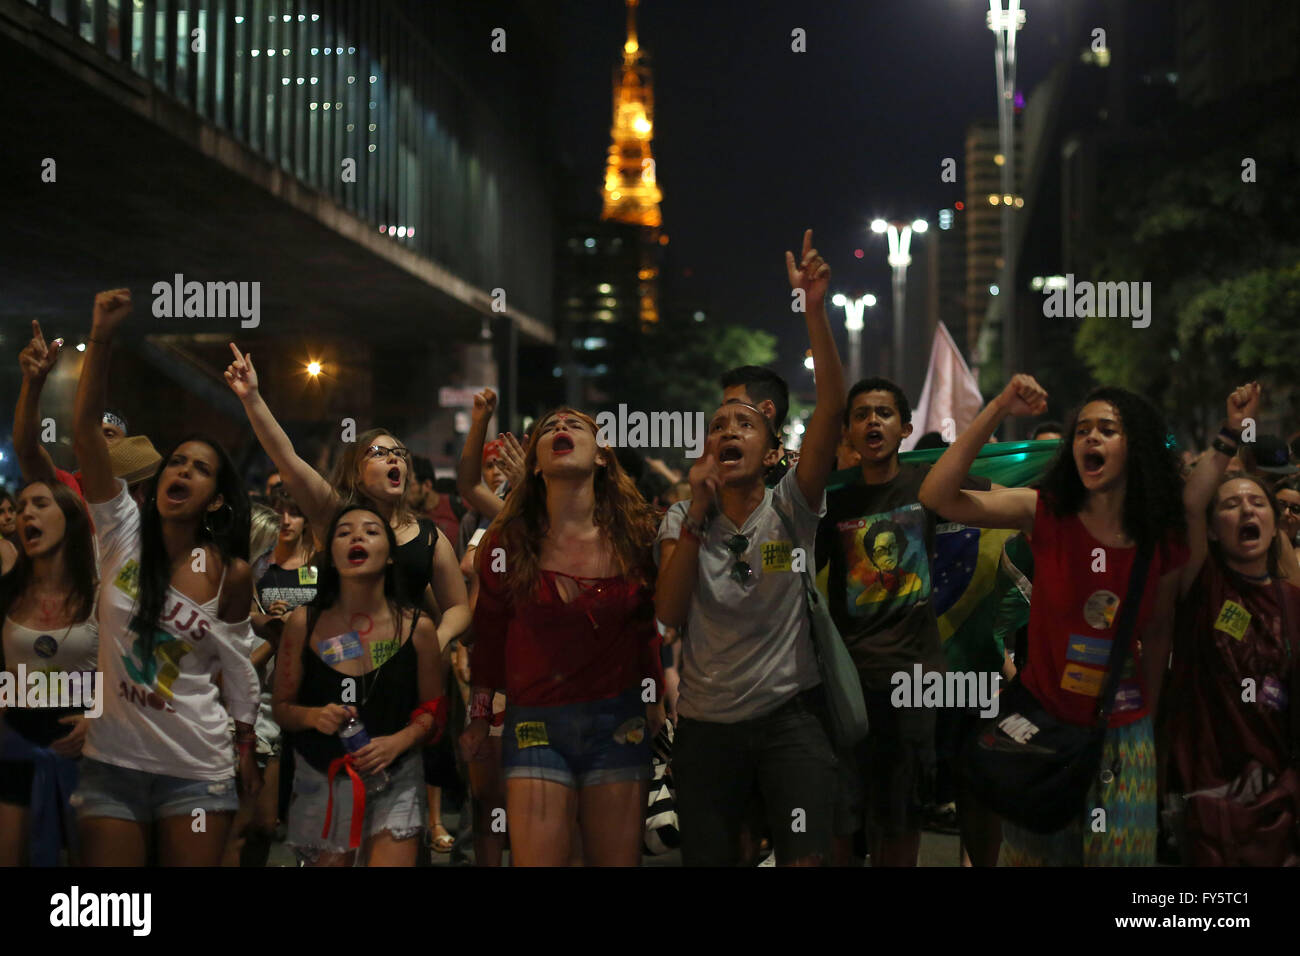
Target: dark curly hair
<point>1153,491</point>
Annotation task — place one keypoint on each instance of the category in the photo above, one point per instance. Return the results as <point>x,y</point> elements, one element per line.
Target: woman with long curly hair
<point>1114,490</point>
<point>174,596</point>
<point>565,625</point>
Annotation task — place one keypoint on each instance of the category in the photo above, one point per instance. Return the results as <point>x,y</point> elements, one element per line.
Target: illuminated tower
<point>631,191</point>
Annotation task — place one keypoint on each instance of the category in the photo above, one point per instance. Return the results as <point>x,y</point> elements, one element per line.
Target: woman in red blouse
<point>565,626</point>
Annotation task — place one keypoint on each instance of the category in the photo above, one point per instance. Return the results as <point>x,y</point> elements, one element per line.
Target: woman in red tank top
<point>1114,488</point>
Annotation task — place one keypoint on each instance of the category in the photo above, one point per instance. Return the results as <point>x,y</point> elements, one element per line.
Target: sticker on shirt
<point>888,570</point>
<point>307,576</point>
<point>776,556</point>
<point>1128,697</point>
<point>128,579</point>
<point>1099,609</point>
<point>1233,620</point>
<point>45,646</point>
<point>1082,680</point>
<point>531,733</point>
<point>1273,695</point>
<point>1088,650</point>
<point>381,651</point>
<point>340,648</point>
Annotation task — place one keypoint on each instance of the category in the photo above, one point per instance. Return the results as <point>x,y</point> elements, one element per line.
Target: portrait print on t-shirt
<point>888,568</point>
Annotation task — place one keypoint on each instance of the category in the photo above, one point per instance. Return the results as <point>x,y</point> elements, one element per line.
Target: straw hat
<point>134,459</point>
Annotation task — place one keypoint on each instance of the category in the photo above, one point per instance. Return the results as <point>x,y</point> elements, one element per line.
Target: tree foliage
<point>1222,256</point>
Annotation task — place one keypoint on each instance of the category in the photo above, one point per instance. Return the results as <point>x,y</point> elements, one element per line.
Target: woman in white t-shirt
<point>47,604</point>
<point>174,599</point>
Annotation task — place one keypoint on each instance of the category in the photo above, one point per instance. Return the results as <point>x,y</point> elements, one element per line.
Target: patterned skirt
<point>1119,828</point>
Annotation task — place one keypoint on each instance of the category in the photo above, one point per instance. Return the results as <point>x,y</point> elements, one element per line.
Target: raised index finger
<point>807,244</point>
<point>238,357</point>
<point>36,333</point>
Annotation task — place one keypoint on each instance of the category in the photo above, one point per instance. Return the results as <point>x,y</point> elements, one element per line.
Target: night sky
<point>754,142</point>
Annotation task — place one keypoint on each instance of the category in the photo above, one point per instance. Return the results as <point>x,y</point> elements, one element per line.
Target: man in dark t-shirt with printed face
<point>873,560</point>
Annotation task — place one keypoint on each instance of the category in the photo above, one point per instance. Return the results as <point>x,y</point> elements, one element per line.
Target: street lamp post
<point>1005,24</point>
<point>900,242</point>
<point>853,323</point>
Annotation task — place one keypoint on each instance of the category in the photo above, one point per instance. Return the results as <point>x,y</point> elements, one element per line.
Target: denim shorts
<point>578,745</point>
<point>107,790</point>
<point>400,809</point>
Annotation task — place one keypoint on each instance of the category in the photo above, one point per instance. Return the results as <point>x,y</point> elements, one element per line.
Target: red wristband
<point>437,709</point>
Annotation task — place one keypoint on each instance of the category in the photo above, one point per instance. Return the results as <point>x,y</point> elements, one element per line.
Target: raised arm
<point>97,481</point>
<point>1206,474</point>
<point>36,361</point>
<point>679,560</point>
<point>312,492</point>
<point>817,454</point>
<point>469,470</point>
<point>942,490</point>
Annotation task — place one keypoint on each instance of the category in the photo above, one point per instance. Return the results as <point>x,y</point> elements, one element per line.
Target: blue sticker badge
<point>344,647</point>
<point>1274,695</point>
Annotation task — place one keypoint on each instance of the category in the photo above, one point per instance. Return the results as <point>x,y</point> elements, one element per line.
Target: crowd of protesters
<point>600,650</point>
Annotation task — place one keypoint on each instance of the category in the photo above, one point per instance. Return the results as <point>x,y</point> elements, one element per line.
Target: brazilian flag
<point>965,560</point>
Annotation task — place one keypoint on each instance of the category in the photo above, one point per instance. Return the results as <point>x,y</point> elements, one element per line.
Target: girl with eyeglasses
<point>375,468</point>
<point>565,626</point>
<point>1232,785</point>
<point>750,710</point>
<point>1288,502</point>
<point>174,598</point>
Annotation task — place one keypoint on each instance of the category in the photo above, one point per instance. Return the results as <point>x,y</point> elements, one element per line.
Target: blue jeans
<point>578,745</point>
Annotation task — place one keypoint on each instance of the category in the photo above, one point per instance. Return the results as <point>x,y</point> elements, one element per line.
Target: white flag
<point>950,393</point>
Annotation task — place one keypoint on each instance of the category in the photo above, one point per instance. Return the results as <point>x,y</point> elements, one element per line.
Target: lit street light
<point>900,242</point>
<point>1005,24</point>
<point>853,309</point>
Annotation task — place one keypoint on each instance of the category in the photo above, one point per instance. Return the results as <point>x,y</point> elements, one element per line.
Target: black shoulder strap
<point>1292,666</point>
<point>1130,604</point>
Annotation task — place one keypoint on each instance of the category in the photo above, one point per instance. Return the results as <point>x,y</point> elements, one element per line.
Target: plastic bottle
<point>354,737</point>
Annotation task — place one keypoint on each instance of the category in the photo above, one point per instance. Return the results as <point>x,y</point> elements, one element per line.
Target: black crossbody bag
<point>1032,769</point>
